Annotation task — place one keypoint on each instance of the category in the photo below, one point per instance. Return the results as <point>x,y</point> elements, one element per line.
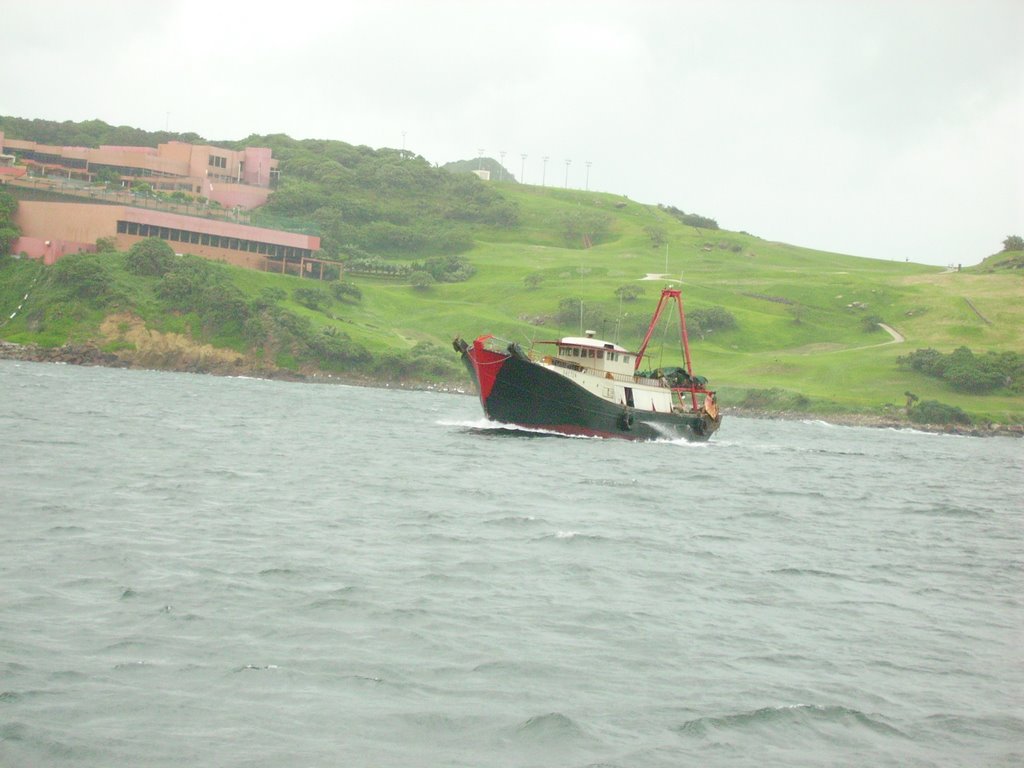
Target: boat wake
<point>496,429</point>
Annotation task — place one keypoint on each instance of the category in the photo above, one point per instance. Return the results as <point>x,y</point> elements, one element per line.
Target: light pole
<point>501,173</point>
<point>480,158</point>
<point>568,162</point>
<point>522,169</point>
<point>588,176</point>
<point>544,170</point>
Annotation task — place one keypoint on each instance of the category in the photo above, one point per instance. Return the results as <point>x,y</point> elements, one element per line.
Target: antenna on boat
<point>580,273</point>
<point>618,320</point>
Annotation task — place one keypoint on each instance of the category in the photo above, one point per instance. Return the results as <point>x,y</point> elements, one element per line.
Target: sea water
<point>234,572</point>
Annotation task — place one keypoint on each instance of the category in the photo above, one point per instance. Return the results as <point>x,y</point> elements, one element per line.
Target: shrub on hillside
<point>969,372</point>
<point>447,269</point>
<point>344,291</point>
<point>198,286</point>
<point>692,219</point>
<point>774,399</point>
<point>871,323</point>
<point>84,275</point>
<point>934,412</point>
<point>701,322</point>
<point>337,349</point>
<point>533,280</point>
<point>421,280</point>
<point>629,292</point>
<point>311,297</point>
<point>377,267</point>
<point>151,257</point>
<point>7,237</point>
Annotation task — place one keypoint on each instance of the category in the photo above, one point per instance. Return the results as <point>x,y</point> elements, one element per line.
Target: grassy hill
<point>805,333</point>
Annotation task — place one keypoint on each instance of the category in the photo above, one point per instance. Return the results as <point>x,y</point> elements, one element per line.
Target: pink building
<point>234,178</point>
<point>51,230</point>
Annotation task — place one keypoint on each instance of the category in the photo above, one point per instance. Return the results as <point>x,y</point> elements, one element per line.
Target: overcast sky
<point>890,129</point>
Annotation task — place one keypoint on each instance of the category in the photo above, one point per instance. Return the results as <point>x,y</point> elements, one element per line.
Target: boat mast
<point>666,294</point>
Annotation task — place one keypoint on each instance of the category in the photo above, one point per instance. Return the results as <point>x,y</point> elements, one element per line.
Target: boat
<point>582,385</point>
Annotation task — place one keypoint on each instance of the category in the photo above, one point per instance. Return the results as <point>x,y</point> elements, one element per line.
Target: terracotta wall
<point>51,230</point>
<point>49,250</point>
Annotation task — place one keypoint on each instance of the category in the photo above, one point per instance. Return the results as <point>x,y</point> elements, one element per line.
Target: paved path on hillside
<point>897,337</point>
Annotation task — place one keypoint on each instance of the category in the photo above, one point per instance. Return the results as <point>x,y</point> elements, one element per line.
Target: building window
<point>133,228</point>
<point>122,227</point>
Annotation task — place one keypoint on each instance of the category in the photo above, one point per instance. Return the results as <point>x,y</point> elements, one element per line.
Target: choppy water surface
<point>230,572</point>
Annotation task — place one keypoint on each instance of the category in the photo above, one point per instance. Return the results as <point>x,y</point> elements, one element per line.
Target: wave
<point>67,529</point>
<point>512,520</point>
<point>806,572</point>
<point>798,716</point>
<point>285,572</point>
<point>343,597</point>
<point>553,726</point>
<point>946,510</point>
<point>570,536</point>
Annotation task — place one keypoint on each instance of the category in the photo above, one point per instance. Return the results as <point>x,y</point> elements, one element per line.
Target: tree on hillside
<point>152,257</point>
<point>657,234</point>
<point>533,280</point>
<point>421,281</point>
<point>629,292</point>
<point>7,237</point>
<point>8,205</point>
<point>1013,243</point>
<point>8,232</point>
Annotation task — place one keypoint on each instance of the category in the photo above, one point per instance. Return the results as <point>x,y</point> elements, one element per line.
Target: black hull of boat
<point>516,390</point>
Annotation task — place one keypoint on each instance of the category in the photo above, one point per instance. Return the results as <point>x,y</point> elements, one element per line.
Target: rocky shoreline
<point>91,355</point>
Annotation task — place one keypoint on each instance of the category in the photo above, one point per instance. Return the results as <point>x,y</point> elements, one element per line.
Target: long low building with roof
<point>50,230</point>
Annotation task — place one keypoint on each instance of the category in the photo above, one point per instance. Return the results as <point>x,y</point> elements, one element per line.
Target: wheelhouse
<point>596,354</point>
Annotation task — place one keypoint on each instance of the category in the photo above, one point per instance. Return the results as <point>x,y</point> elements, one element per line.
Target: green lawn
<point>802,315</point>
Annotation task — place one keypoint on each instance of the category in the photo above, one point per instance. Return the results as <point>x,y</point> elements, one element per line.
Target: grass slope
<point>804,337</point>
